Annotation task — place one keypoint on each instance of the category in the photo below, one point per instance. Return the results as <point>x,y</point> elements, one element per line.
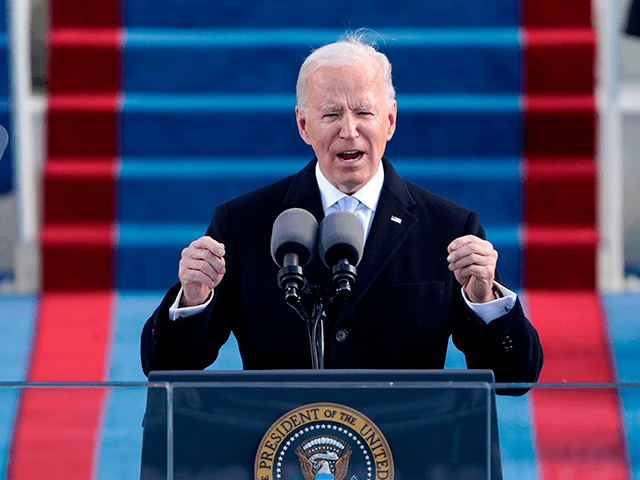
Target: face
<point>348,122</point>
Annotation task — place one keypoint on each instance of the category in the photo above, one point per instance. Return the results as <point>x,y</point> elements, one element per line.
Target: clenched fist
<point>473,262</point>
<point>201,268</point>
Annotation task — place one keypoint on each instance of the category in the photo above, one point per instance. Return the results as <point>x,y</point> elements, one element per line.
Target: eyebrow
<point>330,109</point>
<point>335,108</point>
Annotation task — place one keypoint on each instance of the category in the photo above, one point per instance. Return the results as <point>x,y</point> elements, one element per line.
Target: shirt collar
<point>368,195</point>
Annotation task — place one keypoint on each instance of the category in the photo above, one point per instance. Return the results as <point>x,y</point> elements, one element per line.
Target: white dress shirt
<point>368,197</point>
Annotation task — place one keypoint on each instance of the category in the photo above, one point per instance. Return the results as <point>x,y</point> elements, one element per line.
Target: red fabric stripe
<point>105,102</point>
<point>562,168</point>
<point>566,236</point>
<point>81,169</point>
<point>80,234</point>
<point>559,103</point>
<point>95,37</point>
<point>56,429</point>
<point>555,37</point>
<point>579,433</point>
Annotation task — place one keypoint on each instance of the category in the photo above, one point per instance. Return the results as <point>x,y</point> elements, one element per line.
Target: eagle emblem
<point>324,458</point>
<point>322,441</point>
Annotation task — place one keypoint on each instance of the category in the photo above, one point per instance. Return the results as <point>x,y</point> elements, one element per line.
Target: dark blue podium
<point>321,424</point>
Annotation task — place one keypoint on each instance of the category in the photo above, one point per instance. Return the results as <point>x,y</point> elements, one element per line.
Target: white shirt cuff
<point>176,312</point>
<point>495,308</point>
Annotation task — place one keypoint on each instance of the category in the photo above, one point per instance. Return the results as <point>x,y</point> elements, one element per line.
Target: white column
<point>26,253</point>
<point>610,167</point>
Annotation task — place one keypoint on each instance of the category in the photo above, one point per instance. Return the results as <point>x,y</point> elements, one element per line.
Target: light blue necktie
<point>351,204</point>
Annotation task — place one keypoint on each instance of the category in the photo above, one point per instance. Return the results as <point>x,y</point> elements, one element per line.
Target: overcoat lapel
<point>304,192</point>
<point>391,225</point>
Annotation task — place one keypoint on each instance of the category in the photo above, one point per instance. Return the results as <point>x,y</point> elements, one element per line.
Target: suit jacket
<point>400,314</point>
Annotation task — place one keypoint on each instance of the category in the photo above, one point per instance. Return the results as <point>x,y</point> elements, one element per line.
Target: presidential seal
<point>323,441</point>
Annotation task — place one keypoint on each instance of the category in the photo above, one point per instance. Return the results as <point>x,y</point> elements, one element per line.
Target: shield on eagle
<point>324,457</point>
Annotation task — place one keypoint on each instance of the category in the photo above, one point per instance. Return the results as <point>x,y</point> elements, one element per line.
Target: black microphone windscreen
<point>341,236</point>
<point>294,231</point>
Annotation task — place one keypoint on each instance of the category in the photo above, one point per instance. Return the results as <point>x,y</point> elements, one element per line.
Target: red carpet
<point>579,433</point>
<point>559,122</point>
<point>56,429</point>
<point>83,127</point>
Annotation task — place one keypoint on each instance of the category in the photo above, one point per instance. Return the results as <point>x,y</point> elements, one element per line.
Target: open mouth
<point>351,156</point>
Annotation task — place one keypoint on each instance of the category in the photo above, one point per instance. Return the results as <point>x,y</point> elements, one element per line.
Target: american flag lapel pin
<point>396,219</point>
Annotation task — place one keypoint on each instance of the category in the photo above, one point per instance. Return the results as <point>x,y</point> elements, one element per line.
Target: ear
<point>302,126</point>
<point>392,120</point>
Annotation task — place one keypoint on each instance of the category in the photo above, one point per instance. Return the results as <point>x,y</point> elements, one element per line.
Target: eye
<point>331,115</point>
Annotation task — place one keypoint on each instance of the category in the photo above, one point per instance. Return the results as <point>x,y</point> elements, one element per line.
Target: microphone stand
<point>316,332</point>
<point>343,278</point>
<point>315,325</point>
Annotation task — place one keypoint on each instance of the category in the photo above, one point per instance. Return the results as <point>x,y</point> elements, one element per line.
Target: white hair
<point>349,49</point>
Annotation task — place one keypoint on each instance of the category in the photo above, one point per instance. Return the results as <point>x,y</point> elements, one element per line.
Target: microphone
<point>293,244</point>
<point>340,245</point>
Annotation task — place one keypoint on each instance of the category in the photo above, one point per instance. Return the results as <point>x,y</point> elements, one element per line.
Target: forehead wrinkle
<point>331,108</point>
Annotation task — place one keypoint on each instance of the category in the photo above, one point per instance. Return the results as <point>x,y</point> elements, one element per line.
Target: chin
<point>350,187</point>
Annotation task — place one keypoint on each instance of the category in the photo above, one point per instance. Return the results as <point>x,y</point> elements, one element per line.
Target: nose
<point>348,127</point>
